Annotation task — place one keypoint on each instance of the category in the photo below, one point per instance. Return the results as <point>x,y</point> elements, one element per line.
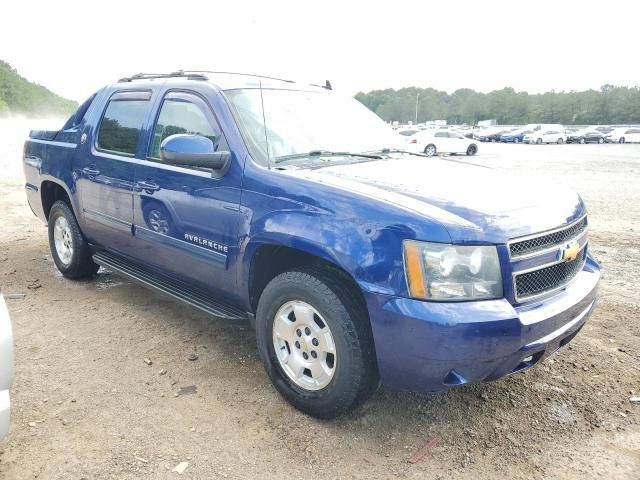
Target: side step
<point>172,287</point>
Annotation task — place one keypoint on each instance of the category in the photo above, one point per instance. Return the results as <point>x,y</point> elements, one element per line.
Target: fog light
<point>528,359</point>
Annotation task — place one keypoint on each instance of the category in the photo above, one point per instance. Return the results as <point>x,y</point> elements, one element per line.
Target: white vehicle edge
<point>6,367</point>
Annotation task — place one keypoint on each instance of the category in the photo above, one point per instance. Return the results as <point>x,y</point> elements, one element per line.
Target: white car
<point>624,135</point>
<point>441,141</point>
<point>6,367</point>
<point>553,135</point>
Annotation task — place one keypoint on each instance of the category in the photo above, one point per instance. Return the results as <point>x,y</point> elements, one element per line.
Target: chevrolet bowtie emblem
<point>570,251</point>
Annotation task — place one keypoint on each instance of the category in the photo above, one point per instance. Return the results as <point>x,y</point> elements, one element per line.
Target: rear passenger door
<point>105,165</point>
<point>186,219</point>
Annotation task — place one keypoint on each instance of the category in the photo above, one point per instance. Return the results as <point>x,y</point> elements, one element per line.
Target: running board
<point>167,285</point>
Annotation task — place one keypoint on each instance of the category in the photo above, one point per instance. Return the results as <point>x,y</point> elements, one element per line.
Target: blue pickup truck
<point>294,207</point>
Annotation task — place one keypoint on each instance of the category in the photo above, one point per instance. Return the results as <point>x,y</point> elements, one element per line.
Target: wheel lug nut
<point>307,330</point>
<point>298,332</point>
<point>315,342</point>
<point>305,356</point>
<point>314,354</point>
<point>297,344</point>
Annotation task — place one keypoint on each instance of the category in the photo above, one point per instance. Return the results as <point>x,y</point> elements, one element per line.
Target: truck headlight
<point>449,273</point>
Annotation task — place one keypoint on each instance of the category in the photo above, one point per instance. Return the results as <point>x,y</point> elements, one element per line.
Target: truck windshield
<point>296,124</point>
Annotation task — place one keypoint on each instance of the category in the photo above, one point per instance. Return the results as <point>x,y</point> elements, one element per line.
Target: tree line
<point>18,95</point>
<point>609,105</point>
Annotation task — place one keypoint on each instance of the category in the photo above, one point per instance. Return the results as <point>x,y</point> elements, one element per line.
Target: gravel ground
<point>87,405</point>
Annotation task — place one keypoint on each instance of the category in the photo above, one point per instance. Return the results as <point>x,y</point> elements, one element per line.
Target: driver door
<point>186,219</point>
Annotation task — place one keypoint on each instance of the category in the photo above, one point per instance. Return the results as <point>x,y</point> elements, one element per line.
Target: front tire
<point>69,249</point>
<point>621,140</point>
<point>516,140</point>
<point>582,141</point>
<point>472,150</point>
<point>430,150</point>
<point>315,342</point>
<point>538,141</point>
<point>601,140</point>
<point>560,141</point>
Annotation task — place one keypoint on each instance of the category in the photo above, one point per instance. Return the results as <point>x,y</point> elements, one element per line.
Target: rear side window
<point>408,133</point>
<point>442,134</point>
<point>121,125</point>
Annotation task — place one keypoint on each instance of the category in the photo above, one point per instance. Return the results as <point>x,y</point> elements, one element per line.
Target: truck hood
<point>473,202</point>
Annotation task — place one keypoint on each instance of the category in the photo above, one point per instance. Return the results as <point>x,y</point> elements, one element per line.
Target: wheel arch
<point>269,259</point>
<point>51,192</point>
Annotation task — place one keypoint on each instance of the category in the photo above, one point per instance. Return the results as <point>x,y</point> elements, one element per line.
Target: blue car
<point>295,208</point>
<point>515,137</point>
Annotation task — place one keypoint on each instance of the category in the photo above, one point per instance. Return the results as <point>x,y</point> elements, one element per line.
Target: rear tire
<point>621,140</point>
<point>601,140</point>
<point>538,141</point>
<point>430,150</point>
<point>516,140</point>
<point>560,141</point>
<point>309,295</point>
<point>69,248</point>
<point>582,141</point>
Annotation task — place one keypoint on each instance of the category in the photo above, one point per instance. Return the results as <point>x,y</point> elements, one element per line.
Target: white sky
<point>75,47</point>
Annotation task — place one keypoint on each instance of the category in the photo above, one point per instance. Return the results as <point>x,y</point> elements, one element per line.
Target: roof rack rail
<point>240,73</point>
<point>178,73</point>
<point>327,85</point>
<point>199,75</point>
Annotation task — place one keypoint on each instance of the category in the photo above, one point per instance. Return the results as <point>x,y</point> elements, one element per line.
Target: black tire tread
<point>363,376</point>
<point>82,265</point>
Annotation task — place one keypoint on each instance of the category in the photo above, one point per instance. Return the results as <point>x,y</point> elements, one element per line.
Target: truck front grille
<point>547,279</point>
<point>544,241</point>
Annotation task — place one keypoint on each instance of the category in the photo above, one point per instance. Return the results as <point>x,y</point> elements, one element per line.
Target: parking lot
<point>113,381</point>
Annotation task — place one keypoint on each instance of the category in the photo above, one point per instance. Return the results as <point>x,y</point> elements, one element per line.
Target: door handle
<point>90,171</point>
<point>148,186</point>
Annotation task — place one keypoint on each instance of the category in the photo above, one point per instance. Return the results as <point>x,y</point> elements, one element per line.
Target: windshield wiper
<point>324,153</point>
<point>385,151</point>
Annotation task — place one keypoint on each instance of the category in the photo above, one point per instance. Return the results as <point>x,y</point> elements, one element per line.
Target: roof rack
<point>241,73</point>
<point>199,75</point>
<point>178,73</point>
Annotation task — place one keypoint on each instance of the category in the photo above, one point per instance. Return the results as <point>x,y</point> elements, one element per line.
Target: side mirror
<point>192,151</point>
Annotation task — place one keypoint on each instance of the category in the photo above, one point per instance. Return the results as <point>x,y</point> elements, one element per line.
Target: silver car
<point>6,367</point>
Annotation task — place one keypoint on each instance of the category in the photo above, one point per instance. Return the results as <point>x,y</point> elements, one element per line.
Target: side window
<point>442,134</point>
<point>121,125</point>
<point>183,113</point>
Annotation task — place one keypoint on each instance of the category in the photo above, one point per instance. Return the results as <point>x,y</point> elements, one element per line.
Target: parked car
<point>586,136</point>
<point>623,135</point>
<point>604,129</point>
<point>492,134</point>
<point>516,136</point>
<point>546,136</point>
<point>6,368</point>
<point>431,142</point>
<point>298,210</point>
<point>408,132</point>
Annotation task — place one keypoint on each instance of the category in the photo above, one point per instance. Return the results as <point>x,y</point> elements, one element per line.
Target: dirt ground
<point>86,405</point>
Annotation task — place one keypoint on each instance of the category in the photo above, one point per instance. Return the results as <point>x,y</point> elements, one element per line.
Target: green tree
<point>610,104</point>
<point>18,95</point>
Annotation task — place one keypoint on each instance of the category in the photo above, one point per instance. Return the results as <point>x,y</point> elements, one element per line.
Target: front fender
<point>361,235</point>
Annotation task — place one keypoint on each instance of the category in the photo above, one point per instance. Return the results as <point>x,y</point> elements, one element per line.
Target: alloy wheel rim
<point>304,345</point>
<point>63,240</point>
<point>431,151</point>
